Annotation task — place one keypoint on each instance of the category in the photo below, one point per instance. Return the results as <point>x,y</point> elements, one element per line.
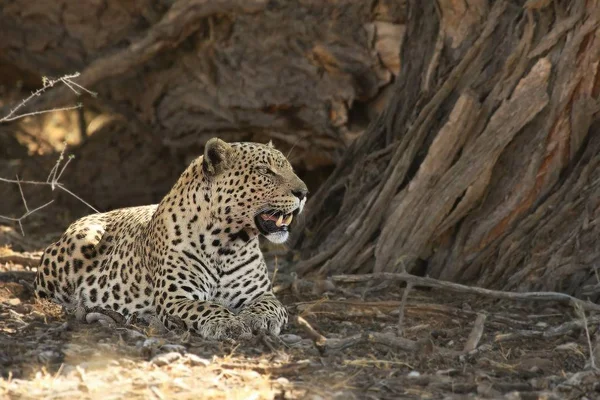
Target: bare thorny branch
<point>57,171</point>
<point>48,83</point>
<point>52,181</point>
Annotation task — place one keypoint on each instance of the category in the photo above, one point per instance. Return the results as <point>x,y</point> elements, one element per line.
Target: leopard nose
<point>300,193</point>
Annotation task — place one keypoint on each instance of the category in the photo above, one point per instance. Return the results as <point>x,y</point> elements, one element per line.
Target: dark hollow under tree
<point>485,166</point>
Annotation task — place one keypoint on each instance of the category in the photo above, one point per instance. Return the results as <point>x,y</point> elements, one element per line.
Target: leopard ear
<point>217,154</point>
<point>270,144</point>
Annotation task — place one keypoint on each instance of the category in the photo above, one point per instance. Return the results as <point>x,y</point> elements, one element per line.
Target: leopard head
<point>256,186</point>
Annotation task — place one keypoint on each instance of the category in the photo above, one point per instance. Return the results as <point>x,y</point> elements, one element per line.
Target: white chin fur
<point>278,237</point>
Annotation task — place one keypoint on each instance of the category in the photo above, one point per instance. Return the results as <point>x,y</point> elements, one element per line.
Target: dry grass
<point>126,379</point>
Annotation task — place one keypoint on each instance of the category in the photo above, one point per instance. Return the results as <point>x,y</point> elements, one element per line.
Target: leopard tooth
<point>279,221</point>
<point>288,219</point>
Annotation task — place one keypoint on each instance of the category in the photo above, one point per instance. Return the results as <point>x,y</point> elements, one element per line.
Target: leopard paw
<point>226,328</point>
<point>262,323</point>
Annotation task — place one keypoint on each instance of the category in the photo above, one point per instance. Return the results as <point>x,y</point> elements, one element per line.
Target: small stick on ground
<point>476,333</point>
<point>554,331</point>
<point>328,345</point>
<point>324,344</point>
<point>570,326</point>
<point>312,333</point>
<point>409,286</point>
<point>581,314</point>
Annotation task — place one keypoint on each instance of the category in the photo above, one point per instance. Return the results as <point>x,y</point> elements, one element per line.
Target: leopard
<point>193,260</point>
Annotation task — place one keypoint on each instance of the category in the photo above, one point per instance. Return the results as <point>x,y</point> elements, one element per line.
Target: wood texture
<point>482,169</point>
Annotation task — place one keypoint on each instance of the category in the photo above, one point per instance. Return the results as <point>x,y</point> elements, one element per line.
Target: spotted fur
<point>194,259</point>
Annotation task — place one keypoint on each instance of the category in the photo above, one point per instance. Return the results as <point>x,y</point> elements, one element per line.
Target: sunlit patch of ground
<point>126,379</point>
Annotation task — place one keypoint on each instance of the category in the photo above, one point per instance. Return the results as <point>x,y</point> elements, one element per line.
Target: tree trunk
<point>484,166</point>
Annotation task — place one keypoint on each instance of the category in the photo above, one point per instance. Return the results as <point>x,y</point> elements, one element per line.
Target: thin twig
<point>61,187</point>
<point>8,118</point>
<point>22,195</point>
<point>53,181</point>
<point>47,84</point>
<point>581,313</point>
<point>324,344</point>
<point>69,82</point>
<point>27,214</point>
<point>57,171</point>
<point>409,286</point>
<point>456,287</point>
<point>52,175</point>
<point>71,157</point>
<point>312,333</point>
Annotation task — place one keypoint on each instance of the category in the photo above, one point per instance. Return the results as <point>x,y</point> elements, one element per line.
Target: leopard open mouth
<point>272,221</point>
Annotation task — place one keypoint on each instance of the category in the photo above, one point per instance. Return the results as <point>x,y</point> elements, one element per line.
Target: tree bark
<point>483,167</point>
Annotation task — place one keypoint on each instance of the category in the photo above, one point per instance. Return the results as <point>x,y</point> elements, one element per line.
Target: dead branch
<point>455,287</point>
<point>312,333</point>
<point>324,344</point>
<point>47,84</point>
<point>59,168</point>
<point>344,309</point>
<point>52,181</point>
<point>24,259</point>
<point>178,23</point>
<point>399,343</point>
<point>551,332</point>
<point>402,307</point>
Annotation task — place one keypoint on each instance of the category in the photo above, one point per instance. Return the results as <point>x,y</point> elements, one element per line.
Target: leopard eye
<point>264,170</point>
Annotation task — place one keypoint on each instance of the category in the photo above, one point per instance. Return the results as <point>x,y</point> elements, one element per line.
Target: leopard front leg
<point>209,320</point>
<point>265,314</point>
